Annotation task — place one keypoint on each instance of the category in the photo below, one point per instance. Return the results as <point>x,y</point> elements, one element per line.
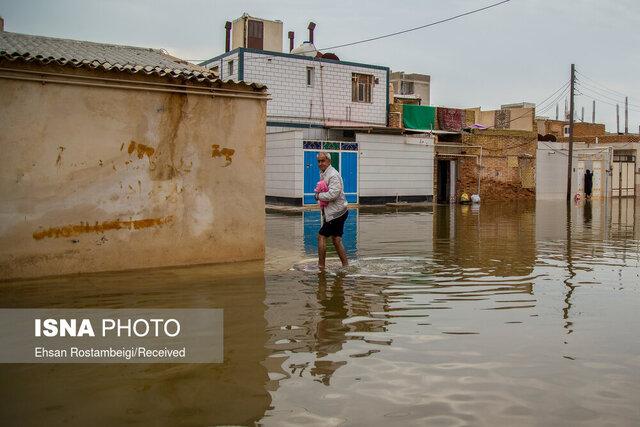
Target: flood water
<point>498,315</point>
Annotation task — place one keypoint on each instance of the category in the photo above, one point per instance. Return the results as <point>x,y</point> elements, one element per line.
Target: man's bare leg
<point>337,243</point>
<point>322,251</point>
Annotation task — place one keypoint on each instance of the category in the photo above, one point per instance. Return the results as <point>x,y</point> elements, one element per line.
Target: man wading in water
<point>334,214</point>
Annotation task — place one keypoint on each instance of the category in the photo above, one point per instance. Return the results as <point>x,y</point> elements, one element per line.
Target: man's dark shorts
<point>335,227</point>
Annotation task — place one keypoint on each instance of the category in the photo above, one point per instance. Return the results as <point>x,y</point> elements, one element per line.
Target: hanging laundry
<point>451,119</point>
<point>418,117</point>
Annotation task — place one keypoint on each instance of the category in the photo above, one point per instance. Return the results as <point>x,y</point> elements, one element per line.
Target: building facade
<point>306,90</point>
<point>411,86</point>
<point>111,166</point>
<point>319,102</point>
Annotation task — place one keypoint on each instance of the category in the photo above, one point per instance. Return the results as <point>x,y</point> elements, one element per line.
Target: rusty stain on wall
<point>165,160</point>
<point>59,159</point>
<point>140,149</point>
<point>100,227</point>
<point>226,152</point>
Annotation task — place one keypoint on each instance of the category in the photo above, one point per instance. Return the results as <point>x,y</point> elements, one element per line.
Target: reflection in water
<point>312,223</point>
<point>491,315</point>
<point>165,394</point>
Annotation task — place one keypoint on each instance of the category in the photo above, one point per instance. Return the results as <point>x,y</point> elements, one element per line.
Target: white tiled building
<point>312,91</point>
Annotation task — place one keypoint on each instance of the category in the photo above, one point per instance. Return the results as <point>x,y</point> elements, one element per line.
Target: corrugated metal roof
<point>108,57</point>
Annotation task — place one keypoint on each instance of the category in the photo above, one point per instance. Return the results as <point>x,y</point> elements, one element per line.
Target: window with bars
<point>311,145</point>
<point>361,87</point>
<point>406,88</point>
<point>310,76</point>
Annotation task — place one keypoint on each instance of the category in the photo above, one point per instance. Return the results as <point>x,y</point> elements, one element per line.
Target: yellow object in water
<point>464,198</point>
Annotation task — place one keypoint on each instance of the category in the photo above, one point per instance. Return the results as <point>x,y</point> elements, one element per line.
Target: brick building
<point>560,128</point>
<point>506,168</point>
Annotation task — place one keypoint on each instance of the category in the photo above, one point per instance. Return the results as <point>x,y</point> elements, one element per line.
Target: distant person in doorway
<point>588,184</point>
<point>334,214</point>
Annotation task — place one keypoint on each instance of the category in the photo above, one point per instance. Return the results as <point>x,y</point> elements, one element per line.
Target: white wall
<point>283,165</point>
<point>307,133</point>
<point>223,67</point>
<point>391,165</point>
<point>551,168</point>
<point>294,101</point>
<point>551,172</point>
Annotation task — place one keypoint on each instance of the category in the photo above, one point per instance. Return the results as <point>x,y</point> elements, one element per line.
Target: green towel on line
<point>418,117</point>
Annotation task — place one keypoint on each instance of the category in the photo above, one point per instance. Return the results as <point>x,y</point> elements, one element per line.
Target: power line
<point>564,88</point>
<point>618,101</point>
<point>601,87</point>
<point>590,96</point>
<point>597,92</point>
<point>417,28</point>
<point>600,84</point>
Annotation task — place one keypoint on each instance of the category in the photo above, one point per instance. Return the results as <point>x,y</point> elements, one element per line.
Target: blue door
<point>350,176</point>
<point>311,177</point>
<point>345,162</point>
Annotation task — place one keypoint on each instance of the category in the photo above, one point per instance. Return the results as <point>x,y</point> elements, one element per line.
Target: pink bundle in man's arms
<point>322,187</point>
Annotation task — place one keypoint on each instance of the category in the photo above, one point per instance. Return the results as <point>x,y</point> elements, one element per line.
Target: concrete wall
<point>551,168</point>
<point>284,169</point>
<point>520,118</point>
<point>393,165</point>
<point>95,179</point>
<point>421,85</point>
<point>294,101</point>
<point>273,36</point>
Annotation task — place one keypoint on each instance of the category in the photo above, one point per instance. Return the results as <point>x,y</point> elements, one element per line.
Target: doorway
<point>444,186</point>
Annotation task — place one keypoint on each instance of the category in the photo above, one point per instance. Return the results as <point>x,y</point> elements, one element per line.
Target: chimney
<point>227,42</point>
<point>290,41</point>
<point>1,23</point>
<point>311,27</point>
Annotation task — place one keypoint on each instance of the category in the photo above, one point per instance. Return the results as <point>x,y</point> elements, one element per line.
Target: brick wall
<point>395,116</point>
<point>556,128</point>
<point>508,165</point>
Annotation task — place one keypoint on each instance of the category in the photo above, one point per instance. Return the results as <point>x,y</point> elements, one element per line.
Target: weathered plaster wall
<point>96,179</point>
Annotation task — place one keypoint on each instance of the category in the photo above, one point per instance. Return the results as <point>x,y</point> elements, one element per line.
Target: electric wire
<point>600,84</point>
<point>617,101</point>
<point>564,89</point>
<point>600,87</point>
<point>417,28</point>
<point>591,96</point>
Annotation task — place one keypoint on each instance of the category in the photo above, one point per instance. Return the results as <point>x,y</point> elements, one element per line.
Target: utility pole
<point>582,115</point>
<point>593,112</point>
<point>618,118</point>
<point>570,162</point>
<point>626,115</point>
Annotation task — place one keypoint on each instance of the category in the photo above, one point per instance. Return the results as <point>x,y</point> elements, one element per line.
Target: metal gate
<point>344,157</point>
<point>623,175</point>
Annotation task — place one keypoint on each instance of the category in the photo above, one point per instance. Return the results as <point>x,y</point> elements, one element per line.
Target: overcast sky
<point>519,51</point>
